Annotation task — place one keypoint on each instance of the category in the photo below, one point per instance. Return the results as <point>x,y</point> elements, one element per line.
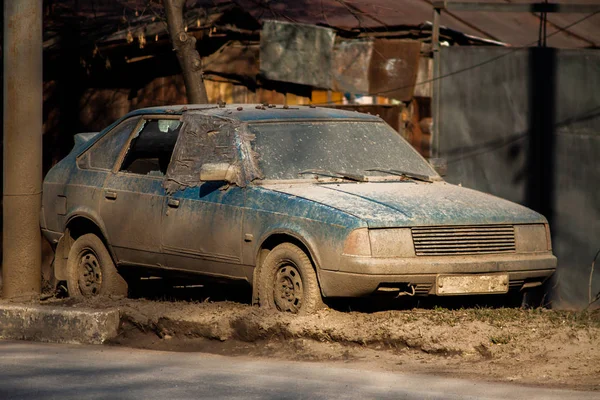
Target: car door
<point>84,186</point>
<point>133,195</point>
<point>202,225</point>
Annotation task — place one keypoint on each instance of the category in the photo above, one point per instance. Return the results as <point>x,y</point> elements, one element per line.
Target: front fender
<point>324,241</point>
<point>322,229</point>
<point>300,235</point>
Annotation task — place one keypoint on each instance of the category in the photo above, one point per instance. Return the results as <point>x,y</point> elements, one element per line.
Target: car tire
<point>91,271</point>
<point>288,282</point>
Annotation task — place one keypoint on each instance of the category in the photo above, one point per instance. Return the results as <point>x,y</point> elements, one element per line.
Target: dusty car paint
<point>409,203</point>
<point>219,230</point>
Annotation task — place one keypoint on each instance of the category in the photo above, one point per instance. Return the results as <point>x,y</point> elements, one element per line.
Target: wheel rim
<point>288,291</point>
<point>89,273</point>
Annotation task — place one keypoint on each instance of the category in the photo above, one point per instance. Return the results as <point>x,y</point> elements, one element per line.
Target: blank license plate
<point>471,284</point>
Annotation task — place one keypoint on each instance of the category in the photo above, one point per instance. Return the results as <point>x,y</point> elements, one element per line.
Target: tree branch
<point>188,56</point>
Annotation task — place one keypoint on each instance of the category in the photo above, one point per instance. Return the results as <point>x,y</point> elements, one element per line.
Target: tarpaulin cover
<point>352,59</point>
<point>207,140</point>
<point>297,53</point>
<point>524,124</point>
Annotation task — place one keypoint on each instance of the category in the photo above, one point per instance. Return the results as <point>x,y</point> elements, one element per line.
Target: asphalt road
<point>50,371</point>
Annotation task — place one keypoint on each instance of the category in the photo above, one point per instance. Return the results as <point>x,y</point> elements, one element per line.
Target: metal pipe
<point>21,240</point>
<point>435,85</point>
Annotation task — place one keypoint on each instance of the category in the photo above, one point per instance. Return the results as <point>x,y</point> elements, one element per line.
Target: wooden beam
<point>517,7</point>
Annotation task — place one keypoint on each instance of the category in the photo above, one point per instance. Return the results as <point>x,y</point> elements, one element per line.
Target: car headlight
<point>357,243</point>
<point>532,238</point>
<point>380,243</point>
<point>392,242</point>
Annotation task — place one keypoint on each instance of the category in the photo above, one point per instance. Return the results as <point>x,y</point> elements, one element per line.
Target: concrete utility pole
<point>21,241</point>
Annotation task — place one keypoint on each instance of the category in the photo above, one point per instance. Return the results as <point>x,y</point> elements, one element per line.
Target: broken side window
<point>104,153</point>
<point>209,140</point>
<point>150,150</point>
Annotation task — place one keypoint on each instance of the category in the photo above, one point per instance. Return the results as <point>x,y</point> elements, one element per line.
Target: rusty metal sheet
<point>424,77</point>
<point>351,61</point>
<point>233,59</point>
<point>387,67</point>
<point>297,53</point>
<point>394,67</point>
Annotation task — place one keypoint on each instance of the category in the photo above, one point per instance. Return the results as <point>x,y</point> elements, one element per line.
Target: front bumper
<point>361,276</point>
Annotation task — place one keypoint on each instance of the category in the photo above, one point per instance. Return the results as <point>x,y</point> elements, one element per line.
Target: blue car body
<point>225,230</point>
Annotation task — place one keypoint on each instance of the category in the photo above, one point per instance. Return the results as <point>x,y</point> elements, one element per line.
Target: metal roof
<point>517,29</point>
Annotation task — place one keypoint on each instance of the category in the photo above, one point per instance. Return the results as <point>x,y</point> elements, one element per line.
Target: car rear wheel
<point>91,270</point>
<point>288,282</point>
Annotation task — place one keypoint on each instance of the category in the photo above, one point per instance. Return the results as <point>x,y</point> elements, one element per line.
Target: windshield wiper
<point>410,175</point>
<point>335,174</point>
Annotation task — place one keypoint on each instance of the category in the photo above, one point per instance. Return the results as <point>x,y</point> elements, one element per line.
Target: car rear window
<point>150,151</point>
<point>103,154</point>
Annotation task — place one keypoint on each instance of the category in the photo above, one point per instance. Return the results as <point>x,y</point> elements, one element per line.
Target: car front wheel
<point>91,270</point>
<point>288,282</point>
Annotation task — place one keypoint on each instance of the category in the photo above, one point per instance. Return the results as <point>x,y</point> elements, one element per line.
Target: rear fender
<point>60,257</point>
<point>66,241</point>
<point>87,213</point>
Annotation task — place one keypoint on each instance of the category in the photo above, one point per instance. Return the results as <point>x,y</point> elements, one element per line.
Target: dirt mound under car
<point>547,347</point>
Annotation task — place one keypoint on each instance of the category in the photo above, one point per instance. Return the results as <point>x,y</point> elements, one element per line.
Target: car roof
<point>259,112</point>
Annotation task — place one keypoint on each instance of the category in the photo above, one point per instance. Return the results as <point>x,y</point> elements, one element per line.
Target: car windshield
<point>286,149</point>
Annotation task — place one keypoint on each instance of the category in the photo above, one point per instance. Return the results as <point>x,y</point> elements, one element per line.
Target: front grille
<point>459,240</point>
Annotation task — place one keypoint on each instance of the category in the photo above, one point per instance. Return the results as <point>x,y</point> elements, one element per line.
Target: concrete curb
<point>58,324</point>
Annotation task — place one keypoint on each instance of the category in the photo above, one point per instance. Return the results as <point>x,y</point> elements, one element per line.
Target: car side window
<point>104,153</point>
<point>150,150</point>
<point>210,140</point>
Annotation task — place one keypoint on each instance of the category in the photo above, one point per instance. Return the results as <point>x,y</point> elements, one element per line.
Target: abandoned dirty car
<point>300,203</point>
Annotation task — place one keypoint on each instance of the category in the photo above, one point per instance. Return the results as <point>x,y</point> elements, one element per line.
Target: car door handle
<point>111,195</point>
<point>173,203</point>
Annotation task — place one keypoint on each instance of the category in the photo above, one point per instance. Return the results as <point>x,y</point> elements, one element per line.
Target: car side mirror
<point>218,172</point>
<point>440,165</point>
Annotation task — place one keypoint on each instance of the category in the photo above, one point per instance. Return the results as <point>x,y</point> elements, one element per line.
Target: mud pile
<point>533,346</point>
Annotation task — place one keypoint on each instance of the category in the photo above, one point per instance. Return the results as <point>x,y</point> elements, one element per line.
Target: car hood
<point>406,203</point>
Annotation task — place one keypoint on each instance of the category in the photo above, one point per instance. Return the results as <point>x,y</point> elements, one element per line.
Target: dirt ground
<point>538,347</point>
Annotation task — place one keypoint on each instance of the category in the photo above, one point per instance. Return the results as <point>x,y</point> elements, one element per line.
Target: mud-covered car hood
<point>403,204</point>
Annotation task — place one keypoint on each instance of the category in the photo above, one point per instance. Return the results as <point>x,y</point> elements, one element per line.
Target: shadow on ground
<point>167,290</point>
<point>173,290</point>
